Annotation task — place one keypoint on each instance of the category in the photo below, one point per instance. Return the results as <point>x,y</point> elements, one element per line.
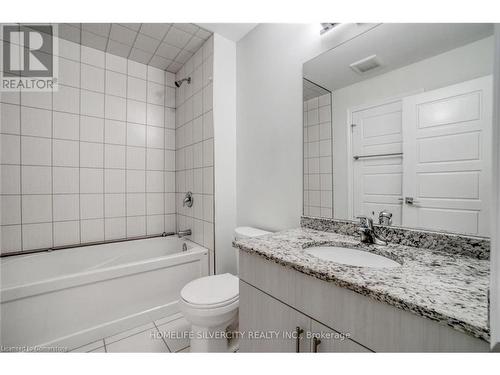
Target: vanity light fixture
<point>327,27</point>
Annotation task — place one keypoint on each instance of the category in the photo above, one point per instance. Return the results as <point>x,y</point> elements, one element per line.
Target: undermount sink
<point>351,257</point>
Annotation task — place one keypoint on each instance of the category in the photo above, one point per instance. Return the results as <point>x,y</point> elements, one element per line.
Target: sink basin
<point>351,257</point>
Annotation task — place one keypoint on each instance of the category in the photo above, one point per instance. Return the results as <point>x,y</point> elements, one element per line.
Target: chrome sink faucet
<point>367,231</point>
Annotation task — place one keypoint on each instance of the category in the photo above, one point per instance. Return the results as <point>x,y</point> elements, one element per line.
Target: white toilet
<point>211,303</point>
<point>246,232</point>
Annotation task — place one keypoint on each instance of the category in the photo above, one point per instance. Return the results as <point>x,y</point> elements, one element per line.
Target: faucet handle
<point>365,221</point>
<point>188,200</point>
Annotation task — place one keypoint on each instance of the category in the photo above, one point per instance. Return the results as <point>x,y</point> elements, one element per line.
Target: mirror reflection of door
<point>425,158</point>
<point>377,146</point>
<point>447,160</point>
<point>411,115</point>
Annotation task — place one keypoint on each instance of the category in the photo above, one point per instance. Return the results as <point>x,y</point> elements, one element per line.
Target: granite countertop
<point>452,289</point>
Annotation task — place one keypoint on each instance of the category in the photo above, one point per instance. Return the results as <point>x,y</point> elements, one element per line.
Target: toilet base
<point>209,339</point>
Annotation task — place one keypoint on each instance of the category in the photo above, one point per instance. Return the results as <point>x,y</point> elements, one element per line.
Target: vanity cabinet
<point>270,325</point>
<point>277,298</point>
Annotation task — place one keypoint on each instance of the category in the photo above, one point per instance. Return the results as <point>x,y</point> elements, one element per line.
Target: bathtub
<point>67,298</point>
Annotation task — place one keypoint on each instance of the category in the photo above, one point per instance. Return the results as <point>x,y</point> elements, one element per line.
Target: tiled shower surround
<point>318,178</point>
<point>195,147</point>
<point>95,160</point>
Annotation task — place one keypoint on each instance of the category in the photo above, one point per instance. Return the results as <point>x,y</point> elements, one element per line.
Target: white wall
<point>461,64</point>
<point>495,228</point>
<point>224,116</point>
<point>269,119</point>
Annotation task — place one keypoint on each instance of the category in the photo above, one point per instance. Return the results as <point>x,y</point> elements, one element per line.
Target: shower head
<point>179,82</point>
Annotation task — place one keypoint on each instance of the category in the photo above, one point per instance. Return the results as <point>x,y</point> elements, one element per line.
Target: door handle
<point>298,331</point>
<point>316,343</point>
<point>408,200</point>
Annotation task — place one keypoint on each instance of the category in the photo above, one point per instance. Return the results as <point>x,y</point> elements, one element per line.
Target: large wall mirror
<point>397,127</point>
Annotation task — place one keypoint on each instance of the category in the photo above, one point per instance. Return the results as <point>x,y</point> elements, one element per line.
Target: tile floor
<point>145,339</point>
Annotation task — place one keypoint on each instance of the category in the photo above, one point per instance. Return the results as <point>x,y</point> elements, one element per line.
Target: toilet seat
<point>211,292</point>
<point>213,313</point>
<point>212,306</point>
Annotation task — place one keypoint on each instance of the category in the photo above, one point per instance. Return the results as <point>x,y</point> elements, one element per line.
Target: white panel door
<point>377,179</point>
<point>447,146</point>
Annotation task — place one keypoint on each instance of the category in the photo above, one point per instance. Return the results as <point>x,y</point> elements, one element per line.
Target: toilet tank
<point>246,232</point>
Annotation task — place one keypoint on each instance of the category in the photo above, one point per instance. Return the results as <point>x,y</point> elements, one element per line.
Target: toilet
<point>246,232</point>
<point>210,305</point>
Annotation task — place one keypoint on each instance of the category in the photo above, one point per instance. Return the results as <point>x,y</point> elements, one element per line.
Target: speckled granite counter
<point>452,289</point>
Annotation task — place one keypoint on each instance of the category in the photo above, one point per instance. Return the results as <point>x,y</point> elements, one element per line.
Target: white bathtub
<point>70,297</point>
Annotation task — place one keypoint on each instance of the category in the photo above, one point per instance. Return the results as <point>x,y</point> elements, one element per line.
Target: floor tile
<point>130,332</point>
<point>176,334</point>
<point>167,319</point>
<point>99,350</point>
<point>89,347</point>
<point>144,342</point>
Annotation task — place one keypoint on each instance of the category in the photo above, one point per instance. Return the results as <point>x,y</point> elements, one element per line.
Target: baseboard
<point>114,327</point>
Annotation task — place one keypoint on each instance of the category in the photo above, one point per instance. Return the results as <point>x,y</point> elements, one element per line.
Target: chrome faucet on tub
<point>367,231</point>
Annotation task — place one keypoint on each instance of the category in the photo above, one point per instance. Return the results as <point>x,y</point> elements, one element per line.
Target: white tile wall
<point>194,147</point>
<point>318,173</point>
<point>92,161</point>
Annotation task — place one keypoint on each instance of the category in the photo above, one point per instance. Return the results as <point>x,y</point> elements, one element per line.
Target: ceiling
<point>165,46</point>
<point>395,45</point>
<point>231,31</point>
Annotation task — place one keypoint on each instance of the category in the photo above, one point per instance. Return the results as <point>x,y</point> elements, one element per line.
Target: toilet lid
<point>211,290</point>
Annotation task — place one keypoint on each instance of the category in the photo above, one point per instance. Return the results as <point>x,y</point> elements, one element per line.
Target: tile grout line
<point>52,164</point>
<point>107,41</point>
<point>146,156</point>
<point>21,173</point>
<point>165,153</point>
<point>132,46</point>
<point>161,336</point>
<point>161,41</point>
<point>102,92</point>
<point>80,224</point>
<point>104,151</point>
<point>126,152</point>
<point>131,334</point>
<point>75,140</point>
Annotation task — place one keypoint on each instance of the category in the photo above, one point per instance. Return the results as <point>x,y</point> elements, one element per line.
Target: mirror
<point>397,127</point>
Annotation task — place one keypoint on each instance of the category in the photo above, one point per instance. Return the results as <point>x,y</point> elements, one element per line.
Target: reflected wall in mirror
<point>318,176</point>
<point>410,108</point>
